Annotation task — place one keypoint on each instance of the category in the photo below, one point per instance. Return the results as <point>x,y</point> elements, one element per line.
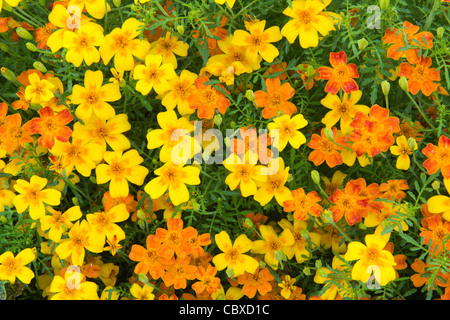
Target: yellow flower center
<point>244,172</point>
<point>116,169</point>
<point>174,237</point>
<point>341,72</point>
<point>34,193</point>
<point>16,132</point>
<point>237,56</point>
<point>232,254</point>
<point>73,153</point>
<point>326,146</point>
<point>342,108</point>
<point>421,74</point>
<point>274,244</point>
<point>405,150</point>
<point>181,89</point>
<point>102,132</point>
<point>10,265</point>
<point>443,155</point>
<point>372,254</point>
<point>304,16</point>
<point>275,183</point>
<point>166,45</point>
<point>57,219</point>
<point>78,240</point>
<point>208,97</point>
<point>171,174</point>
<point>150,257</point>
<point>120,41</point>
<point>255,40</point>
<point>439,234</point>
<point>49,125</point>
<point>102,219</point>
<point>92,97</point>
<point>275,99</point>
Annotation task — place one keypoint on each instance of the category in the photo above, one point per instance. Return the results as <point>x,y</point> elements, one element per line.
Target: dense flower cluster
<point>160,151</point>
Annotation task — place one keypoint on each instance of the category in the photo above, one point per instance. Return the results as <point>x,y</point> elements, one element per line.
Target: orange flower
<point>207,99</point>
<point>109,202</point>
<point>373,133</point>
<point>149,260</point>
<point>349,203</point>
<point>438,157</point>
<point>341,75</point>
<point>372,192</point>
<point>420,77</point>
<point>259,281</point>
<point>249,141</point>
<point>52,126</point>
<point>208,282</point>
<point>175,239</point>
<point>397,37</point>
<point>179,272</point>
<point>326,150</point>
<point>197,242</point>
<point>437,234</point>
<point>303,204</point>
<point>393,189</point>
<point>13,134</point>
<point>275,98</point>
<point>42,34</point>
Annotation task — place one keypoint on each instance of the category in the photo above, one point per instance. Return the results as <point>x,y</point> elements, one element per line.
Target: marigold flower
<point>308,19</point>
<point>341,75</point>
<point>79,240</point>
<point>173,177</point>
<point>393,189</point>
<point>302,248</point>
<point>81,44</point>
<point>96,8</point>
<point>248,140</point>
<point>372,258</point>
<point>206,99</point>
<point>142,293</point>
<point>275,98</point>
<point>149,260</point>
<point>14,267</point>
<point>258,281</point>
<point>72,286</point>
<point>258,41</point>
<point>303,204</point>
<point>103,224</point>
<point>13,134</point>
<point>58,222</point>
<point>420,77</point>
<point>121,43</point>
<point>326,150</point>
<point>288,130</point>
<point>335,183</point>
<point>438,157</point>
<point>349,203</point>
<point>33,197</point>
<point>181,87</point>
<point>271,242</point>
<point>233,254</point>
<point>396,37</point>
<point>121,168</point>
<point>374,219</point>
<point>243,173</point>
<point>39,90</point>
<point>52,126</point>
<point>42,34</point>
<point>153,75</point>
<point>437,234</point>
<point>343,110</point>
<point>179,272</point>
<point>168,46</point>
<point>175,239</point>
<point>403,151</point>
<point>207,280</point>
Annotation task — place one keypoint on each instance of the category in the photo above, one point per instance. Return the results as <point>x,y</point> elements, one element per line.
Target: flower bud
<point>230,273</point>
<point>250,95</point>
<point>328,216</point>
<point>403,82</point>
<point>307,271</point>
<point>290,177</point>
<point>141,214</point>
<point>5,184</point>
<point>7,6</point>
<point>248,222</point>
<point>310,71</point>
<point>8,74</point>
<point>40,66</point>
<point>322,273</point>
<point>435,185</point>
<point>412,144</point>
<point>318,264</point>
<point>31,46</point>
<point>23,33</point>
<point>315,176</point>
<point>218,119</point>
<point>362,44</point>
<point>117,3</point>
<point>93,179</point>
<point>75,201</point>
<point>440,32</point>
<point>328,132</point>
<point>180,29</point>
<point>384,4</point>
<point>385,87</point>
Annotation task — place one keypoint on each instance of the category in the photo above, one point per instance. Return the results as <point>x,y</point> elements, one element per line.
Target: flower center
<point>342,108</point>
<point>102,219</point>
<point>372,254</point>
<point>275,99</point>
<point>92,98</point>
<point>255,40</point>
<point>116,169</point>
<point>232,254</point>
<point>243,172</point>
<point>326,146</point>
<point>181,89</point>
<point>74,152</point>
<point>9,264</point>
<point>120,41</point>
<point>421,74</point>
<point>304,17</point>
<point>171,175</point>
<point>274,245</point>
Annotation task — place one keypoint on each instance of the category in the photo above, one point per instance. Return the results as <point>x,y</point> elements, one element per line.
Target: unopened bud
<point>30,46</point>
<point>218,119</point>
<point>290,177</point>
<point>318,264</point>
<point>307,271</point>
<point>40,66</point>
<point>23,33</point>
<point>384,4</point>
<point>310,71</point>
<point>8,74</point>
<point>141,224</point>
<point>315,176</point>
<point>435,185</point>
<point>230,273</point>
<point>440,32</point>
<point>322,273</point>
<point>117,3</point>
<point>250,95</point>
<point>75,201</point>
<point>385,87</point>
<point>403,82</point>
<point>362,44</point>
<point>93,179</point>
<point>328,216</point>
<point>180,29</point>
<point>140,214</point>
<point>5,184</point>
<point>248,222</point>
<point>195,205</point>
<point>412,143</point>
<point>328,132</point>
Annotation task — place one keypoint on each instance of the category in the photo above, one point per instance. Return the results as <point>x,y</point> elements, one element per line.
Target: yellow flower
<point>58,223</point>
<point>233,254</point>
<point>243,173</point>
<point>32,196</point>
<point>122,44</point>
<point>93,98</point>
<point>343,110</point>
<point>372,258</point>
<point>109,293</point>
<point>82,44</point>
<point>230,3</point>
<point>174,133</point>
<point>307,21</point>
<point>403,150</point>
<point>440,204</point>
<point>272,243</point>
<point>153,75</point>
<point>173,177</point>
<point>169,46</point>
<point>142,293</point>
<point>15,267</point>
<point>284,130</point>
<point>12,3</point>
<point>6,199</point>
<point>103,224</point>
<point>258,41</point>
<point>73,286</point>
<point>96,8</point>
<point>376,218</point>
<point>74,246</point>
<point>121,168</point>
<point>103,133</point>
<point>180,87</point>
<point>39,90</point>
<point>274,186</point>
